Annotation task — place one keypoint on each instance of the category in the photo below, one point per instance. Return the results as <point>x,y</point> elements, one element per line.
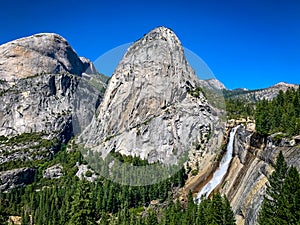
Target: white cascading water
<point>221,171</point>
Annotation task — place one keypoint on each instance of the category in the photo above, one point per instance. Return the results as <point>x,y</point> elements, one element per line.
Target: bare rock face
<point>44,99</point>
<point>41,53</point>
<point>53,172</point>
<point>148,110</point>
<point>272,92</point>
<point>88,66</point>
<point>45,103</point>
<point>245,183</point>
<point>16,178</point>
<point>39,113</point>
<point>213,84</point>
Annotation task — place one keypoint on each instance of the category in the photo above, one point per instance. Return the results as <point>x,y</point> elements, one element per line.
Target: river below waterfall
<point>221,171</point>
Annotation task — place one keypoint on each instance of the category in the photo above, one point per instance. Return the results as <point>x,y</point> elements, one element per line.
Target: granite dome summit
<point>147,109</point>
<point>42,53</point>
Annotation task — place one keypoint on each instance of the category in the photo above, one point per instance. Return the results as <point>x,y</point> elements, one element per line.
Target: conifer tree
<point>282,195</point>
<point>217,209</point>
<point>289,202</point>
<point>25,219</point>
<point>228,216</point>
<point>151,218</point>
<point>81,210</point>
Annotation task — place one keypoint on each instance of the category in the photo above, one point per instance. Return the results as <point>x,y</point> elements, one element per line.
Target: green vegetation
<point>281,204</point>
<point>56,201</point>
<point>282,114</point>
<point>128,159</point>
<point>196,92</point>
<point>238,108</point>
<point>248,95</point>
<point>214,97</point>
<point>210,211</point>
<point>97,82</point>
<point>195,172</point>
<point>88,173</point>
<point>216,210</point>
<point>35,144</point>
<point>68,200</point>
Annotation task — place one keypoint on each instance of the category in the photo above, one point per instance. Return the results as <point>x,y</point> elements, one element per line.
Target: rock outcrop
<point>88,66</point>
<point>53,172</point>
<point>46,103</point>
<point>252,164</point>
<point>44,53</point>
<point>16,178</point>
<point>148,109</point>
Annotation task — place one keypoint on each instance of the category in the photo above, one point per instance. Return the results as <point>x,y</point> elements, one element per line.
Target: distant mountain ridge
<point>213,84</point>
<point>259,94</point>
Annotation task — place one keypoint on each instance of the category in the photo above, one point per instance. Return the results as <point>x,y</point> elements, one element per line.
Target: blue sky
<point>245,43</point>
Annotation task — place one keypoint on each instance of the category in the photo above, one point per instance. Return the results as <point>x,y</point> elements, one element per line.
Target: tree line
<point>282,114</point>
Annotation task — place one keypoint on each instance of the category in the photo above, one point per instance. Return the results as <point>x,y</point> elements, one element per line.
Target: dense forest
<point>239,108</point>
<point>282,114</point>
<point>70,200</point>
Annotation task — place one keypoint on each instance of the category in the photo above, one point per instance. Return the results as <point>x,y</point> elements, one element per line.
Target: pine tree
<point>270,210</point>
<point>104,219</point>
<point>81,210</point>
<point>217,208</point>
<point>289,203</point>
<point>191,209</point>
<point>262,117</point>
<point>25,219</point>
<point>228,215</point>
<point>151,218</point>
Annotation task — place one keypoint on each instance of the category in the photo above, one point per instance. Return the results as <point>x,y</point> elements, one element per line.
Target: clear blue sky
<point>246,43</point>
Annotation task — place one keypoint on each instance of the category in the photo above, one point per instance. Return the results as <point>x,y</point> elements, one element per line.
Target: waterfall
<point>221,171</point>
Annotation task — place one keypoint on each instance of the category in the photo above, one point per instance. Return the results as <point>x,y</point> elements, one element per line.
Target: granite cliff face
<point>16,178</point>
<point>41,53</point>
<point>148,109</point>
<point>252,164</point>
<point>44,98</point>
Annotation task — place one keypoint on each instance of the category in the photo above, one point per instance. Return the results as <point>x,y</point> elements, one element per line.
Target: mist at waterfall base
<point>221,171</point>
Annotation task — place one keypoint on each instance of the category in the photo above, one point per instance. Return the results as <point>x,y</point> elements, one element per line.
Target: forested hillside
<point>282,114</point>
<point>70,200</point>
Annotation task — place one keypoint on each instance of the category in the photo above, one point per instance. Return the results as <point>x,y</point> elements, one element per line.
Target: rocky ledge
<point>16,178</point>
